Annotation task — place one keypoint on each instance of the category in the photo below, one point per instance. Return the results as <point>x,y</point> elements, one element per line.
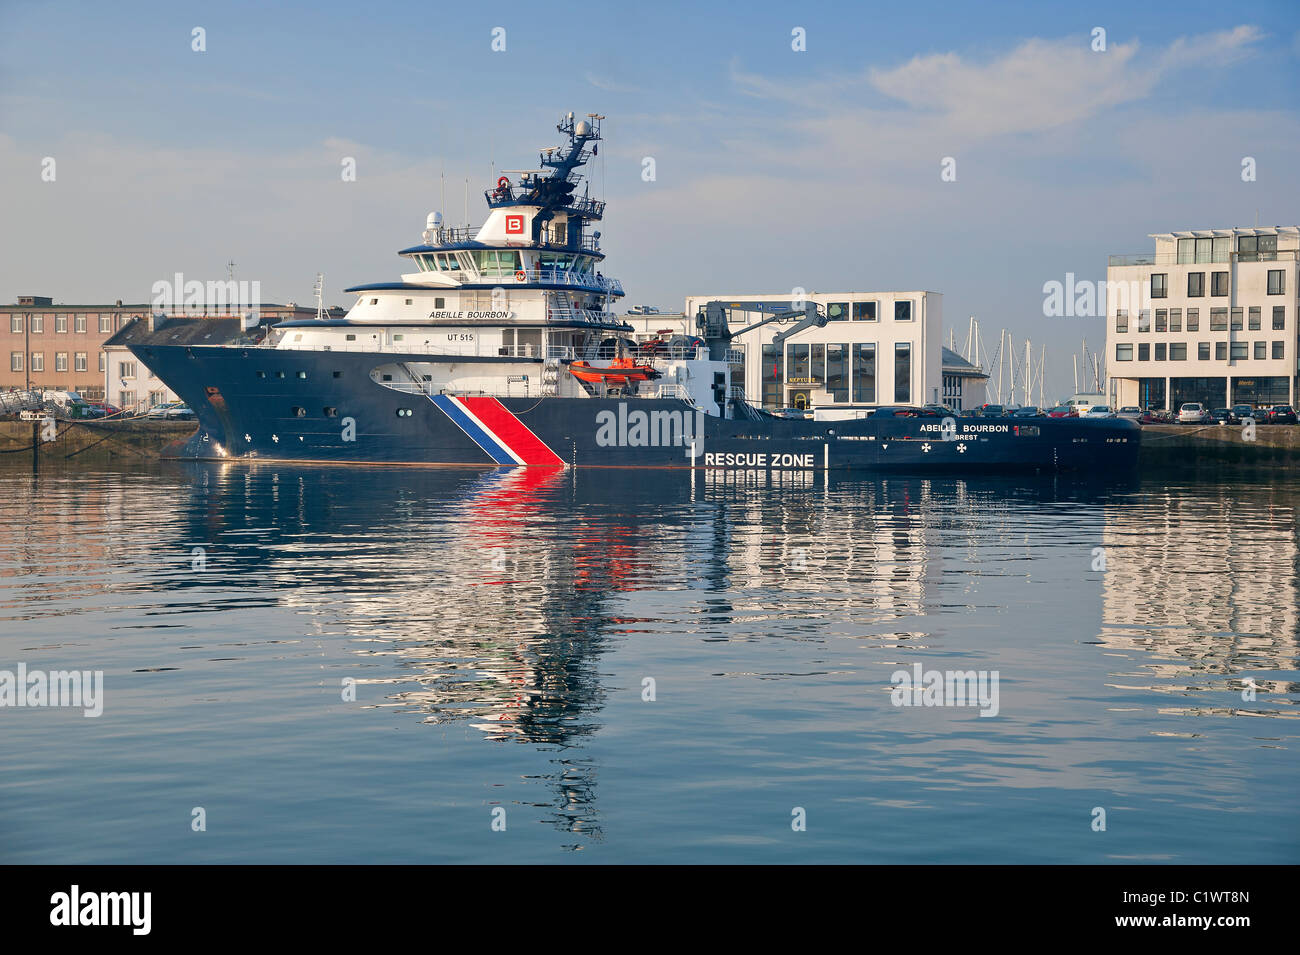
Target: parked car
<point>1222,415</point>
<point>1028,411</point>
<point>1131,412</point>
<point>1100,411</point>
<point>1193,412</point>
<point>1241,412</point>
<point>1062,411</point>
<point>992,411</point>
<point>106,410</point>
<point>171,411</point>
<point>1155,416</point>
<point>1281,414</point>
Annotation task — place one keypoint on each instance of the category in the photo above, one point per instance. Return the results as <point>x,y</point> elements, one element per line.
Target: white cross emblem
<point>925,448</point>
<point>248,438</point>
<point>275,438</point>
<point>961,449</point>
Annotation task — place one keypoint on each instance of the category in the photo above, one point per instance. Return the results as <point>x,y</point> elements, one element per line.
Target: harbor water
<point>319,664</point>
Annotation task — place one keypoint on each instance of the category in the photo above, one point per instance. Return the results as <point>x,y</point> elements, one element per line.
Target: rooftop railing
<point>1213,258</point>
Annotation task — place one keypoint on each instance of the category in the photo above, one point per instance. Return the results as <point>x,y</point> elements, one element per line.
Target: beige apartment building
<point>1211,318</point>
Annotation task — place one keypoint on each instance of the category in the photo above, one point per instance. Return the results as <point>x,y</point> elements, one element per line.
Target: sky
<point>774,168</point>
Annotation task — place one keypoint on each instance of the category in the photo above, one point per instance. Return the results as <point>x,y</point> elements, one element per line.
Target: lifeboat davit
<point>620,371</point>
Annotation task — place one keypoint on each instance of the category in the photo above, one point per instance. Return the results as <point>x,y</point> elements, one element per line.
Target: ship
<point>502,347</point>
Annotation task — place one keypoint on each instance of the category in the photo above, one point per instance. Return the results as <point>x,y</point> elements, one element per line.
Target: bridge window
<point>902,313</point>
<point>838,311</point>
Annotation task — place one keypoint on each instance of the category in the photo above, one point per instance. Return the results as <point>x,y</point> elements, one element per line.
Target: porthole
<point>279,374</point>
<point>338,374</point>
<point>302,374</point>
<point>261,374</point>
<point>298,412</point>
<point>351,338</point>
<point>330,412</point>
<point>404,412</point>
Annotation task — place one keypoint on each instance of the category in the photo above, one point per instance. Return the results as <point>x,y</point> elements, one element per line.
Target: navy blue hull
<point>310,406</point>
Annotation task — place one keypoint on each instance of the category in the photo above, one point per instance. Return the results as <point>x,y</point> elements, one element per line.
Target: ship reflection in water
<point>716,644</point>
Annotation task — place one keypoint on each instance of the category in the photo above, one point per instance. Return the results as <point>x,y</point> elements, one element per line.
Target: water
<point>500,627</point>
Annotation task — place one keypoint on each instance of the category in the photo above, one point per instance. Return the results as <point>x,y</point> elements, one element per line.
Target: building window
<point>1144,351</point>
<point>864,372</point>
<point>838,311</point>
<point>902,369</point>
<point>771,377</point>
<point>1193,319</point>
<point>80,360</point>
<point>1144,321</point>
<point>837,371</point>
<point>1162,319</point>
<point>105,322</point>
<point>902,311</point>
<point>1276,283</point>
<point>81,323</point>
<point>126,369</point>
<point>1279,317</point>
<point>1237,317</point>
<point>60,324</point>
<point>16,324</point>
<point>797,359</point>
<point>61,361</point>
<point>1218,319</point>
<point>1279,350</point>
<point>1240,351</point>
<point>1160,351</point>
<point>1175,319</point>
<point>1203,351</point>
<point>1178,351</point>
<point>1219,283</point>
<point>38,324</point>
<point>1159,285</point>
<point>864,311</point>
<point>38,361</point>
<point>1221,351</point>
<point>15,361</point>
<point>1124,352</point>
<point>1195,284</point>
<point>1261,351</point>
<point>1121,320</point>
<point>1253,318</point>
<point>103,360</point>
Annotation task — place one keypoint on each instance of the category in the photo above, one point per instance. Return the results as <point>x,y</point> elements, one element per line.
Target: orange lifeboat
<point>620,371</point>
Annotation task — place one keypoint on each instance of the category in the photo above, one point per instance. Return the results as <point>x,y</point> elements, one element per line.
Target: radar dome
<point>582,128</point>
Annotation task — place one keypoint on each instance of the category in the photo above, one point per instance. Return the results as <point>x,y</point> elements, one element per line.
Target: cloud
<point>608,85</point>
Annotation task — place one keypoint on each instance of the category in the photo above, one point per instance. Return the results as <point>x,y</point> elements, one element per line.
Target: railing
<point>1214,258</point>
<point>566,278</point>
<point>679,353</point>
<point>673,391</point>
<point>737,392</point>
<point>453,234</point>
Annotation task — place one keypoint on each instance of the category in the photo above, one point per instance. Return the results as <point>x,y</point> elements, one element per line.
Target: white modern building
<point>1209,317</point>
<point>879,348</point>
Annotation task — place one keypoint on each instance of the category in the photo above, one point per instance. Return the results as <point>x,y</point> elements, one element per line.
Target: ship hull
<point>324,407</point>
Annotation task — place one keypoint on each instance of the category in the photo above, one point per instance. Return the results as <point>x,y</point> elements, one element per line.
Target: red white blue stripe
<point>495,429</point>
